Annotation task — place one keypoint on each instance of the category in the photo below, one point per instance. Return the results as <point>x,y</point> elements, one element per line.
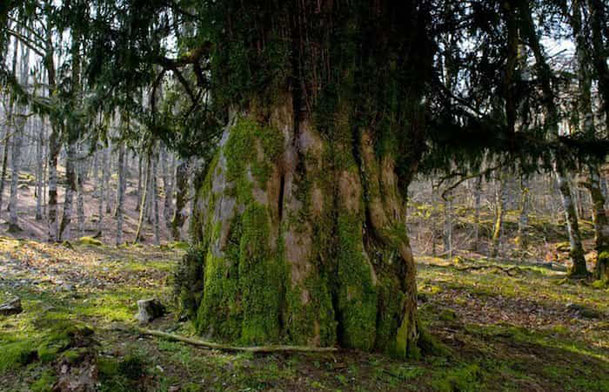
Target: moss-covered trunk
<point>301,239</point>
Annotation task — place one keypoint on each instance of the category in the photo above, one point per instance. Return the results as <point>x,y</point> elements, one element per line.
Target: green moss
<point>261,278</point>
<point>89,241</point>
<point>45,382</point>
<point>65,335</point>
<point>220,312</point>
<point>462,379</point>
<point>315,319</point>
<point>243,154</point>
<point>357,295</point>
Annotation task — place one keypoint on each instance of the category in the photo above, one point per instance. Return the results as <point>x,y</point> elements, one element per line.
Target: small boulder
<point>149,309</point>
<point>11,307</point>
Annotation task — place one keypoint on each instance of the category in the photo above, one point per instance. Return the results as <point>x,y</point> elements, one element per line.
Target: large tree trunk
<point>301,239</point>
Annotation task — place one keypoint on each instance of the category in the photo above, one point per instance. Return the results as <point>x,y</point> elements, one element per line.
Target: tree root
<point>225,347</point>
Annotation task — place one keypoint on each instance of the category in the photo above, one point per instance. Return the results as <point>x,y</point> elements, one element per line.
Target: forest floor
<point>504,326</point>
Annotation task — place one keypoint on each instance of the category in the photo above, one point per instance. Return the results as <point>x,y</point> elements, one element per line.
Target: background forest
<point>305,195</point>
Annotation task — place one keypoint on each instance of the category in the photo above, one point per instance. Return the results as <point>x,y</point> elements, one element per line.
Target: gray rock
<point>11,307</point>
<point>149,309</point>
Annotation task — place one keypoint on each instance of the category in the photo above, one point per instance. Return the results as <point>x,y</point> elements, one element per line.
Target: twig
<point>225,347</point>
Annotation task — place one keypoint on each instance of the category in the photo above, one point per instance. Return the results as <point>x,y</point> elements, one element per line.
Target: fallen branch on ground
<point>225,347</point>
<point>479,267</point>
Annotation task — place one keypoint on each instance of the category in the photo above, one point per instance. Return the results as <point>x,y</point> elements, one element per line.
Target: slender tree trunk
<point>448,225</point>
<point>108,170</point>
<point>522,239</point>
<point>168,185</point>
<point>54,148</point>
<point>39,169</point>
<point>143,201</point>
<point>6,147</point>
<point>120,198</point>
<point>10,126</point>
<point>71,189</point>
<point>139,182</point>
<point>477,205</point>
<point>601,225</point>
<point>576,252</point>
<point>15,169</point>
<point>501,196</point>
<point>155,204</point>
<point>434,218</point>
<point>179,216</point>
<point>80,196</point>
<point>102,192</point>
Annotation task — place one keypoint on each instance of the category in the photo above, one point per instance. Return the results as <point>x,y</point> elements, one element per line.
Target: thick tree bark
<point>301,239</point>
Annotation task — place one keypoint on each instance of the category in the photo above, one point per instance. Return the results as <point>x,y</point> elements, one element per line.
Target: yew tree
<point>312,118</point>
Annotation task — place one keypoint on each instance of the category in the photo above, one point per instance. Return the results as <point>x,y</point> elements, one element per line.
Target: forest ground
<point>504,327</point>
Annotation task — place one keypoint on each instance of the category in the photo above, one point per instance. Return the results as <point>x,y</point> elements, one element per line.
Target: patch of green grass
<point>463,378</point>
<point>17,353</point>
